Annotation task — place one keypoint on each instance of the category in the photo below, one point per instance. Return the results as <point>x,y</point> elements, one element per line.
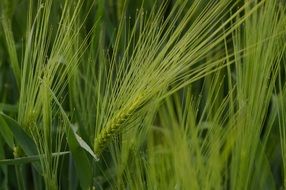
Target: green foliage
<point>128,94</point>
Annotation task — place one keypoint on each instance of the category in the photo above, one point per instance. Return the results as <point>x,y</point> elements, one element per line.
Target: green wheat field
<point>143,94</point>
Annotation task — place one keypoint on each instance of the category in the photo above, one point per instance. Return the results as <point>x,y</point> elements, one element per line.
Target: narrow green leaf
<point>83,144</point>
<point>77,147</point>
<point>79,141</point>
<point>22,138</point>
<point>6,133</point>
<point>28,159</point>
<point>82,163</point>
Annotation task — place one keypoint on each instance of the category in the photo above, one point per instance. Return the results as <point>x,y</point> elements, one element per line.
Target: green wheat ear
<point>114,125</point>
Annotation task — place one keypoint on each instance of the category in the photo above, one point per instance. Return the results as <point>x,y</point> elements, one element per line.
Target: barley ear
<point>115,124</point>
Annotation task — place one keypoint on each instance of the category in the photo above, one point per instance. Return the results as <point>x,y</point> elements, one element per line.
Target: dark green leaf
<point>6,133</point>
<point>22,138</point>
<point>81,160</point>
